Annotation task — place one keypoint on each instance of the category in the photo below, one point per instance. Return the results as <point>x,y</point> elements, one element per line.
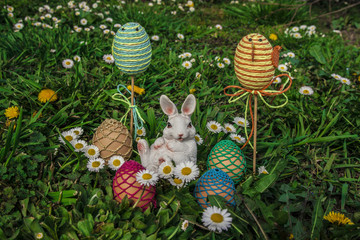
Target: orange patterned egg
<point>255,61</point>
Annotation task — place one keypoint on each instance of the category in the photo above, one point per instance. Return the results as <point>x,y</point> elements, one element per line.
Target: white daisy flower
<point>108,58</point>
<point>87,29</point>
<point>95,5</point>
<point>214,126</point>
<point>52,50</point>
<point>187,64</point>
<point>155,38</point>
<point>182,56</point>
<point>18,26</point>
<point>262,170</point>
<point>180,36</point>
<point>77,13</point>
<point>277,80</point>
<point>237,138</point>
<point>55,19</point>
<point>10,14</point>
<point>102,26</point>
<point>282,67</point>
<point>216,219</point>
<point>113,33</point>
<point>141,132</point>
<point>137,139</point>
<point>77,58</point>
<point>115,162</point>
<point>303,27</point>
<point>217,58</point>
<point>312,28</point>
<point>173,12</point>
<point>91,151</point>
<point>39,235</point>
<point>68,63</point>
<point>177,182</point>
<point>241,121</point>
<point>106,31</point>
<point>109,19</point>
<point>78,131</point>
<point>186,171</point>
<point>94,165</point>
<point>187,54</point>
<point>198,139</point>
<point>83,21</point>
<point>229,128</point>
<point>305,90</point>
<point>220,65</point>
<point>336,76</point>
<point>197,75</point>
<point>297,35</point>
<point>295,29</point>
<point>226,61</point>
<point>58,7</point>
<point>117,25</point>
<point>192,60</point>
<point>92,27</point>
<point>191,9</point>
<point>291,54</point>
<point>79,145</point>
<point>184,225</point>
<point>10,9</point>
<point>166,169</point>
<point>79,29</point>
<point>345,81</point>
<point>147,177</point>
<point>68,135</point>
<point>218,26</point>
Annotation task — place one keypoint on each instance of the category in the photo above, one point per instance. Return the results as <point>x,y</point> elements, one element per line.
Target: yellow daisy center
<point>147,176</point>
<point>186,224</point>
<point>67,63</point>
<point>306,91</point>
<point>228,129</point>
<point>217,218</point>
<point>186,171</point>
<point>108,58</point>
<point>77,132</point>
<point>186,64</point>
<point>69,138</point>
<point>140,131</point>
<point>116,162</point>
<point>197,138</point>
<point>240,122</point>
<point>95,164</point>
<point>264,172</point>
<point>91,151</point>
<point>214,127</point>
<point>237,138</point>
<point>167,169</point>
<point>79,145</point>
<point>177,181</point>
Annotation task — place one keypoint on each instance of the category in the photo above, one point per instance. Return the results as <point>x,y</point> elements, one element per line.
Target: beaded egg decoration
<point>125,184</point>
<point>228,157</point>
<point>214,182</point>
<point>113,138</point>
<point>255,61</point>
<point>131,49</point>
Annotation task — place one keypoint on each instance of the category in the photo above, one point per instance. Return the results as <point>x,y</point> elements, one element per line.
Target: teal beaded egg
<point>131,49</point>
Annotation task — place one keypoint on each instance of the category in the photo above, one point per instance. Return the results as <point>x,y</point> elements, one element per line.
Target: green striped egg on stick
<point>131,49</point>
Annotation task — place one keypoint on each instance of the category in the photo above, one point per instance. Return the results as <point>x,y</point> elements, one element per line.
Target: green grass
<point>310,147</point>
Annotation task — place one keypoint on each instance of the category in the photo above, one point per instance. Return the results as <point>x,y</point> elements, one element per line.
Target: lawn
<point>59,82</point>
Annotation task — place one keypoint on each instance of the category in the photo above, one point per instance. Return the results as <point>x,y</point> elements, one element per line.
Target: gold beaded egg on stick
<point>255,63</point>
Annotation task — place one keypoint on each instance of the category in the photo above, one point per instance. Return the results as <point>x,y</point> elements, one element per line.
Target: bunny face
<point>179,126</point>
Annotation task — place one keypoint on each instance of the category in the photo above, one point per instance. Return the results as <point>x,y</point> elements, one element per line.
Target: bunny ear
<point>167,106</point>
<point>189,105</point>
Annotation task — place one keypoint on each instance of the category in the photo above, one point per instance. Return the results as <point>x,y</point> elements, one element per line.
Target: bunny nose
<point>180,135</point>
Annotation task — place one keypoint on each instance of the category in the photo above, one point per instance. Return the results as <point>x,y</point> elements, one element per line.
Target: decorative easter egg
<point>255,61</point>
<point>113,138</point>
<point>214,182</point>
<point>125,184</point>
<point>131,49</point>
<point>228,157</point>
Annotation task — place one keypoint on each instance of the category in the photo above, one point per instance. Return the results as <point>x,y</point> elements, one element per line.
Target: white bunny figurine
<point>178,141</point>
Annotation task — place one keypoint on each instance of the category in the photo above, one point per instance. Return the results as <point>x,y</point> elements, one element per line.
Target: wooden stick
<point>132,103</point>
<point>255,130</point>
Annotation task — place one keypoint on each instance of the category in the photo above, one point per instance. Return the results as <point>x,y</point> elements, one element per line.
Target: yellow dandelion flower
<point>12,112</point>
<point>338,218</point>
<point>273,37</point>
<point>47,95</point>
<point>137,89</point>
<point>192,90</point>
<point>291,236</point>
